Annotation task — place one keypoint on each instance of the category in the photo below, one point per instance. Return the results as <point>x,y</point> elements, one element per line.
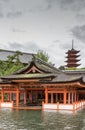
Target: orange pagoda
<point>72,57</point>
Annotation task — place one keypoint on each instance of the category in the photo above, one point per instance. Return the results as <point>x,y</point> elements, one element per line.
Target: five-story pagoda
<point>72,57</point>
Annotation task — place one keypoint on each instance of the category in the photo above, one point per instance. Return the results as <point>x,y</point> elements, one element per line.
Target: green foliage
<point>12,64</point>
<point>83,68</point>
<point>42,55</point>
<point>62,68</point>
<point>74,68</point>
<point>71,68</point>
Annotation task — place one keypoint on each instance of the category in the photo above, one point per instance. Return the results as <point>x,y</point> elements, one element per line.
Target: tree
<point>12,64</point>
<point>44,56</point>
<point>62,68</point>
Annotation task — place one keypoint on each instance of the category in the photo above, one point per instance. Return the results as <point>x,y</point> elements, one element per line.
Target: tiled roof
<point>49,70</point>
<point>24,58</point>
<point>66,78</point>
<point>28,76</point>
<point>43,66</point>
<point>76,73</point>
<point>61,78</point>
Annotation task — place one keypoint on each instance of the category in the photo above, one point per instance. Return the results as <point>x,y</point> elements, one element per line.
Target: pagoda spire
<point>72,44</point>
<point>72,56</point>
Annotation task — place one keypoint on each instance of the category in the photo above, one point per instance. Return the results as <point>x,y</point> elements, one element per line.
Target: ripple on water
<point>41,120</point>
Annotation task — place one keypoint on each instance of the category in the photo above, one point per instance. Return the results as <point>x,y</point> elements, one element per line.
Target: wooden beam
<point>25,80</point>
<point>75,84</point>
<point>56,91</point>
<point>81,91</point>
<point>7,85</point>
<point>33,68</point>
<point>35,88</point>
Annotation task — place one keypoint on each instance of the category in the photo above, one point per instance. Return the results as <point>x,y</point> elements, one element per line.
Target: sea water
<point>41,120</point>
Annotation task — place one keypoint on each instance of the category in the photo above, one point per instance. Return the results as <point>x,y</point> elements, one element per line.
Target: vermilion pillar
<point>10,96</point>
<point>25,97</point>
<point>64,96</point>
<point>2,95</point>
<point>46,95</point>
<point>17,97</point>
<point>69,98</point>
<point>56,97</point>
<point>72,96</point>
<point>75,96</point>
<point>51,97</point>
<point>30,96</point>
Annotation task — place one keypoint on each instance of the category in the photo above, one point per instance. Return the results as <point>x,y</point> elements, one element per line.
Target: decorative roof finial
<point>72,44</point>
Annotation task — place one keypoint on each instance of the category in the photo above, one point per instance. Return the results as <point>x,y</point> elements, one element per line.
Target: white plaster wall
<point>50,106</point>
<point>65,107</point>
<point>6,104</point>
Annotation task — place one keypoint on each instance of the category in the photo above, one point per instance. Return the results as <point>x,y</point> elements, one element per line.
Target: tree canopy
<point>44,56</point>
<point>11,65</point>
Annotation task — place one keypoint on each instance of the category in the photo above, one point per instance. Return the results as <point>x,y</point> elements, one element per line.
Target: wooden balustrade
<point>58,106</point>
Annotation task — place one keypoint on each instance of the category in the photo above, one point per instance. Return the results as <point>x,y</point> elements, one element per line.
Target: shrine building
<point>43,85</point>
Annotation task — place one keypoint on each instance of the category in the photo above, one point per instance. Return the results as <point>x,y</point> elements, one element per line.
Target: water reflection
<point>41,120</point>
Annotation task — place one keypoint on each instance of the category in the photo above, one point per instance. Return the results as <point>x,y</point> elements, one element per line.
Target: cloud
<point>66,45</point>
<point>14,14</point>
<point>56,54</point>
<point>4,1</point>
<point>1,10</point>
<point>1,15</point>
<point>80,17</point>
<point>18,30</point>
<point>27,47</point>
<point>79,32</point>
<point>62,3</point>
<point>73,5</point>
<point>61,45</point>
<point>65,3</point>
<point>56,41</point>
<point>39,6</point>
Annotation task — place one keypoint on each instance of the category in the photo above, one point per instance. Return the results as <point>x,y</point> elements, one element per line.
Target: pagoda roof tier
<point>72,51</point>
<point>72,60</point>
<point>72,65</point>
<point>72,55</point>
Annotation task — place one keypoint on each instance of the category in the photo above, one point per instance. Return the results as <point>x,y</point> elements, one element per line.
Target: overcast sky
<point>49,25</point>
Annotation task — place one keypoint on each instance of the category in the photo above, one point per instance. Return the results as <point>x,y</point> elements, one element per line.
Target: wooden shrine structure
<point>41,84</point>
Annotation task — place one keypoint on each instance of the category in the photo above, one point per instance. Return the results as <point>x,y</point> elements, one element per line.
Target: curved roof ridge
<point>40,64</point>
<point>23,69</point>
<point>3,50</point>
<point>45,63</point>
